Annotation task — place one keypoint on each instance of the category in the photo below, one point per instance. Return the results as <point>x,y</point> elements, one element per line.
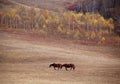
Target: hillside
<point>106,8</point>
<point>53,5</point>
<point>86,28</point>
<point>6,4</point>
<point>37,33</point>
<point>25,59</point>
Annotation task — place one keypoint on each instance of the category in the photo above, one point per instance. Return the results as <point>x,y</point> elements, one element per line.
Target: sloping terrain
<point>5,5</point>
<point>53,5</point>
<point>25,58</point>
<point>108,8</point>
<point>25,61</point>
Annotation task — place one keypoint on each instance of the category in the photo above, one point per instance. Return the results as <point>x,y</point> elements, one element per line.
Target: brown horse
<point>59,66</point>
<point>71,66</point>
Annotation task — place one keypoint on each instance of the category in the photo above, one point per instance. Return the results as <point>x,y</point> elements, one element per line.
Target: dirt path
<point>26,62</point>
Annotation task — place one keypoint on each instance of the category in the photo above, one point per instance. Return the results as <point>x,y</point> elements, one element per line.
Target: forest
<point>89,26</point>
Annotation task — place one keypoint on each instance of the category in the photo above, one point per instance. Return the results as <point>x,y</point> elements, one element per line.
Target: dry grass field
<point>25,59</point>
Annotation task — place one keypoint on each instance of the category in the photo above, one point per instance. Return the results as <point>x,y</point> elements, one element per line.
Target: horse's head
<point>51,65</point>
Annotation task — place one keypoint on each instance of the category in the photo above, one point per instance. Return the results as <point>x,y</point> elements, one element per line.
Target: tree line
<point>67,24</point>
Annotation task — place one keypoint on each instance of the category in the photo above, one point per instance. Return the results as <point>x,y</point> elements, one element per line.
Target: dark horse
<point>59,66</point>
<point>71,66</point>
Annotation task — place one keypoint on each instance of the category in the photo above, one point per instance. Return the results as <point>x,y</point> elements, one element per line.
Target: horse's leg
<point>74,68</point>
<point>60,67</point>
<point>66,68</point>
<point>54,68</point>
<point>71,68</point>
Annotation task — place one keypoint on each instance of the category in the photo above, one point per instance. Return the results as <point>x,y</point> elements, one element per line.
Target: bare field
<point>27,62</point>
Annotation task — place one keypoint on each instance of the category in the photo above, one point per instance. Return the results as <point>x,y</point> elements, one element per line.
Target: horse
<point>54,65</point>
<point>71,66</point>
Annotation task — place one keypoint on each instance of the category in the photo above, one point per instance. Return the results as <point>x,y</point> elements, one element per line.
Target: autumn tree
<point>16,20</point>
<point>1,17</point>
<point>32,16</point>
<point>23,13</point>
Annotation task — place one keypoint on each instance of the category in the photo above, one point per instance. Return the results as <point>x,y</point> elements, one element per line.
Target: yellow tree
<point>6,19</point>
<point>1,17</point>
<point>80,22</point>
<point>110,24</point>
<point>69,19</point>
<point>42,22</point>
<point>87,21</point>
<point>47,19</point>
<point>23,13</point>
<point>64,21</point>
<point>97,21</point>
<point>17,20</point>
<point>101,23</point>
<point>95,24</point>
<point>32,15</point>
<point>38,19</point>
<point>54,22</point>
<point>11,14</point>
